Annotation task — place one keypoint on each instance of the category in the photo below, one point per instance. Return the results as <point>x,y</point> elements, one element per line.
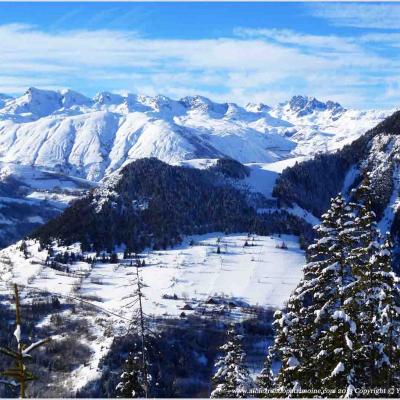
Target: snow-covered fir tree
<point>292,346</point>
<point>335,330</point>
<point>365,294</point>
<point>306,320</point>
<point>340,327</point>
<point>265,380</point>
<point>232,378</point>
<point>390,318</point>
<point>132,378</point>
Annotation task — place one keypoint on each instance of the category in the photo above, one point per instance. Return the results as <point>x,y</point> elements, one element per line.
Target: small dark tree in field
<point>114,258</point>
<point>24,248</point>
<point>18,374</point>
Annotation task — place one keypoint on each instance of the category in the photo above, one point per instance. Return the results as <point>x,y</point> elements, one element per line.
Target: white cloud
<point>242,68</point>
<point>359,15</point>
<point>287,36</point>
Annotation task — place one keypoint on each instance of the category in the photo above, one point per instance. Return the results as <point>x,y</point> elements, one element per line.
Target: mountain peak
<point>37,102</point>
<point>304,105</point>
<point>257,107</point>
<point>108,98</point>
<point>71,98</point>
<point>203,104</point>
<point>164,103</point>
<point>38,94</point>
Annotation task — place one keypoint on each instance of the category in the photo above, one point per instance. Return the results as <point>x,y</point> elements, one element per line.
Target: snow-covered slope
<point>189,281</point>
<point>312,184</point>
<point>193,272</point>
<point>90,138</point>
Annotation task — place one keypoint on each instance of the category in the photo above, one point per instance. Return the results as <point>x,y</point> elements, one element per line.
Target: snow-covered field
<point>187,276</point>
<point>263,175</point>
<point>257,274</point>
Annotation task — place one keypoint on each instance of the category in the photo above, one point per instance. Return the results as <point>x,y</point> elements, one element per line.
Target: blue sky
<point>241,52</point>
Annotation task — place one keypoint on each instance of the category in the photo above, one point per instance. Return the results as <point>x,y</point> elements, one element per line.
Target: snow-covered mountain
<point>89,138</point>
<point>321,127</point>
<point>50,138</point>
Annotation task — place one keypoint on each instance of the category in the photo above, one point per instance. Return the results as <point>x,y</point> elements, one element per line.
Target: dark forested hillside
<point>153,204</point>
<point>311,184</point>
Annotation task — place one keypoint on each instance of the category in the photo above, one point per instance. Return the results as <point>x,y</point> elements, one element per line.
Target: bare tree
<point>136,383</point>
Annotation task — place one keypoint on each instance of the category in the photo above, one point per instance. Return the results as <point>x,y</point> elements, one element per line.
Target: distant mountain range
<point>89,138</point>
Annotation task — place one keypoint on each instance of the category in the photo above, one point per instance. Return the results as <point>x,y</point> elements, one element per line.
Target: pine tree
<point>132,380</point>
<point>336,329</point>
<point>24,248</point>
<point>305,322</point>
<point>365,292</point>
<point>265,380</point>
<point>378,347</point>
<point>314,333</point>
<point>340,328</point>
<point>389,305</point>
<point>367,312</point>
<point>291,347</point>
<point>232,379</point>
